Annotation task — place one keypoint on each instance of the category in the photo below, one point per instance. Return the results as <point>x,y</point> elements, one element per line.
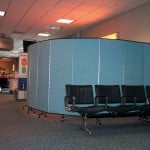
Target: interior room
<point>52,51</point>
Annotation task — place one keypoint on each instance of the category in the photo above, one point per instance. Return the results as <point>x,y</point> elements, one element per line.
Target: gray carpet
<point>20,131</point>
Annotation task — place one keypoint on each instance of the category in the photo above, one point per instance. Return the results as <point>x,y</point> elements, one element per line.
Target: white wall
<point>133,25</point>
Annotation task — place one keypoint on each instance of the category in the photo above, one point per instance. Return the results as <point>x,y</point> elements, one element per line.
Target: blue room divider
<point>54,63</point>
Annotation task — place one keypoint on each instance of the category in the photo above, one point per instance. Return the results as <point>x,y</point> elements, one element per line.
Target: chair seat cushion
<point>122,108</point>
<point>90,110</point>
<point>145,107</point>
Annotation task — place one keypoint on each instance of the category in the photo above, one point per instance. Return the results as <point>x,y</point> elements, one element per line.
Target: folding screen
<point>133,63</point>
<point>54,63</point>
<point>85,61</point>
<point>72,62</point>
<point>60,72</point>
<point>32,76</point>
<point>146,58</point>
<point>43,72</point>
<point>111,62</point>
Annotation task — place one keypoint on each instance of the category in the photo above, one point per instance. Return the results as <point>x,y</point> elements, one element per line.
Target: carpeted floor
<point>21,131</point>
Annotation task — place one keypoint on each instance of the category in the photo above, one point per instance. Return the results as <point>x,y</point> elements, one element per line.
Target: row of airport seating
<point>113,100</point>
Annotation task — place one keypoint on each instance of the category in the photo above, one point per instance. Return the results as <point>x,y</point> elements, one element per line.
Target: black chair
<point>135,95</point>
<point>110,97</point>
<point>79,98</point>
<point>145,109</point>
<point>148,93</point>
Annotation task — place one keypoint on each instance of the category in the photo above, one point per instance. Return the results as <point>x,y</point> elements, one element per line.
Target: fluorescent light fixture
<point>2,13</point>
<point>67,21</point>
<point>44,34</point>
<point>54,27</point>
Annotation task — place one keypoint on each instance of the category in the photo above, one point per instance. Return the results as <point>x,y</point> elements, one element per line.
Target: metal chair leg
<point>42,114</point>
<point>63,118</point>
<point>98,121</point>
<point>84,118</point>
<point>145,119</point>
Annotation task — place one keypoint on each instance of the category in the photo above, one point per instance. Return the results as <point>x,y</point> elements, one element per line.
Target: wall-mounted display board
<point>22,80</point>
<point>54,63</point>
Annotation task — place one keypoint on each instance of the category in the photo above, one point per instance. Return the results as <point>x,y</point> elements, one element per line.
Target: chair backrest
<point>83,94</point>
<point>68,89</point>
<point>112,92</point>
<point>130,92</point>
<point>148,91</point>
<point>4,82</point>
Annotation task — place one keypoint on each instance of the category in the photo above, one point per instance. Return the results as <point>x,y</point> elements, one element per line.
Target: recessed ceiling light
<point>2,13</point>
<point>54,27</point>
<point>43,34</point>
<point>67,21</point>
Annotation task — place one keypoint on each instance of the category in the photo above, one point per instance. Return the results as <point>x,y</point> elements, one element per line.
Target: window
<point>111,36</point>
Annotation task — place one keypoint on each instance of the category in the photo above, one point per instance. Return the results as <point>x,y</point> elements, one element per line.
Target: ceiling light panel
<point>54,27</point>
<point>2,13</point>
<point>66,21</point>
<point>43,34</point>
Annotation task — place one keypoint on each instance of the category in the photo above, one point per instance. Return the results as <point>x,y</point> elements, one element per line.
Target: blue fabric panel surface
<point>85,61</point>
<point>60,72</point>
<point>111,62</point>
<point>146,64</point>
<point>43,75</point>
<point>134,63</point>
<point>32,77</point>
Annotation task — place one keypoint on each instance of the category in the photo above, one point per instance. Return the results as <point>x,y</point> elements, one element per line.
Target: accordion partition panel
<point>146,69</point>
<point>54,63</point>
<point>32,76</point>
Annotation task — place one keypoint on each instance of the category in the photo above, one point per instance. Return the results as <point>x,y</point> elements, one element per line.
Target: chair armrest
<point>73,101</point>
<point>66,101</point>
<point>132,98</point>
<point>135,99</point>
<point>69,103</point>
<point>96,101</point>
<point>99,98</point>
<point>123,100</point>
<point>147,100</point>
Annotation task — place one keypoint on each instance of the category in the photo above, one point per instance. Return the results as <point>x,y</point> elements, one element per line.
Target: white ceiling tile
<point>34,16</point>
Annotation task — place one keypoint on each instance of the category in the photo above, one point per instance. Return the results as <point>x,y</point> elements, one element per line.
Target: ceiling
<point>24,19</point>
